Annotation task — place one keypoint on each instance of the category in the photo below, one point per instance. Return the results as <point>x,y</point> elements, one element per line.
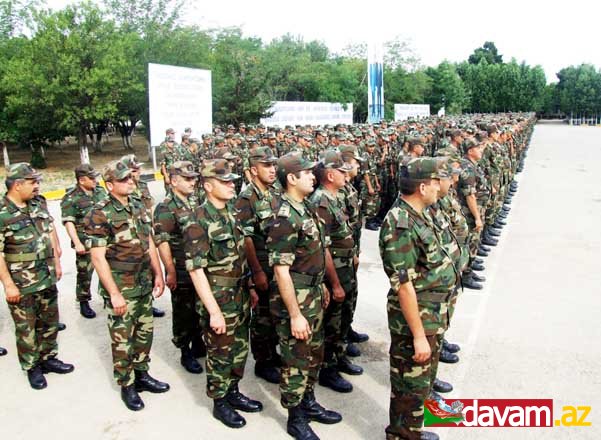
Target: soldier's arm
<point>164,224</point>
<point>167,259</point>
<point>159,282</point>
<point>13,296</point>
<point>337,290</point>
<point>472,204</point>
<point>205,293</point>
<point>367,181</point>
<point>410,310</point>
<point>72,233</point>
<point>98,257</point>
<point>298,324</point>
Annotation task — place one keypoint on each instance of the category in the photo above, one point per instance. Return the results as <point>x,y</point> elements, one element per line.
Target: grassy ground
<point>62,161</point>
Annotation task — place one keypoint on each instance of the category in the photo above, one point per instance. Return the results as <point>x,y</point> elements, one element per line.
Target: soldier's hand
<point>217,323</point>
<point>159,286</point>
<point>13,296</point>
<point>119,304</point>
<point>80,249</point>
<point>326,297</point>
<point>171,280</point>
<point>378,187</point>
<point>300,328</point>
<point>479,225</point>
<point>254,298</point>
<point>422,349</point>
<point>58,270</point>
<point>260,280</point>
<point>338,294</point>
<point>356,262</point>
<point>370,191</point>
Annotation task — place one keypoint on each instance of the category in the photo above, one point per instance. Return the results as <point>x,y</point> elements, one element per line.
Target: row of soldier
<point>280,257</point>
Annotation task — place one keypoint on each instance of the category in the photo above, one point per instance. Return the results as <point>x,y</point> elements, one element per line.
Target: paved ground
<point>533,332</point>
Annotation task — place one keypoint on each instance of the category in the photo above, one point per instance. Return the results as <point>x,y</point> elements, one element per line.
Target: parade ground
<point>533,332</point>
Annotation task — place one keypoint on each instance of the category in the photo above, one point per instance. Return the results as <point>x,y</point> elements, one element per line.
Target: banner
<point>405,111</point>
<point>312,113</point>
<point>178,97</point>
<point>375,81</point>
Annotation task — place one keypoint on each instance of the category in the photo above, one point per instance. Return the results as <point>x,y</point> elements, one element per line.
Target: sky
<point>551,34</point>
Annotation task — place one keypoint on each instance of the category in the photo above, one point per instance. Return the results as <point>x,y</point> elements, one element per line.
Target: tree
<point>447,90</point>
<point>15,15</point>
<point>488,52</point>
<point>579,90</point>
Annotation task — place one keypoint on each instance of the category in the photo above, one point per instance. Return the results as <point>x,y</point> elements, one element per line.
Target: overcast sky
<point>552,34</point>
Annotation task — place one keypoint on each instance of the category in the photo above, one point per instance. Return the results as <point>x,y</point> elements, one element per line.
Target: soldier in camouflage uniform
<point>119,236</point>
<point>76,203</point>
<point>167,154</point>
<point>170,219</point>
<point>296,242</point>
<point>331,172</point>
<point>29,271</point>
<point>215,259</point>
<point>255,207</point>
<point>370,187</point>
<point>422,278</point>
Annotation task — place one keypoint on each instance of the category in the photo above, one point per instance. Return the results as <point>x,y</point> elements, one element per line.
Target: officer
<point>215,259</point>
<point>170,219</point>
<point>118,232</point>
<point>422,277</point>
<point>255,207</point>
<point>29,272</point>
<point>76,203</point>
<point>296,243</point>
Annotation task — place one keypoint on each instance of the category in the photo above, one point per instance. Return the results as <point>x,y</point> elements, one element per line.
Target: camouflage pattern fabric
<point>370,202</point>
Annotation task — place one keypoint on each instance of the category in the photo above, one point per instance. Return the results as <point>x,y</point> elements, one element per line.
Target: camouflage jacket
<point>143,196</point>
<point>411,251</point>
<point>352,205</point>
<point>26,245</point>
<point>446,236</point>
<point>332,211</point>
<point>76,203</point>
<point>254,210</point>
<point>472,181</point>
<point>170,219</point>
<point>125,232</point>
<point>167,156</point>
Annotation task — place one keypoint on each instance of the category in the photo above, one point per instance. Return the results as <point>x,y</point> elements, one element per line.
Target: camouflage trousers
<point>263,337</point>
<point>226,353</point>
<point>186,320</point>
<point>131,337</point>
<point>370,203</point>
<point>410,386</point>
<point>36,326</point>
<point>301,359</point>
<point>85,270</point>
<point>339,315</point>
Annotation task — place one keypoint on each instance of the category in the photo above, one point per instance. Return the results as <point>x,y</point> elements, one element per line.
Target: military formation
<point>258,240</point>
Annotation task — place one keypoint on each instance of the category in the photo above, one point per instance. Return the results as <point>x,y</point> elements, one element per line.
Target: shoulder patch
<point>324,202</point>
<point>402,221</point>
<point>284,210</point>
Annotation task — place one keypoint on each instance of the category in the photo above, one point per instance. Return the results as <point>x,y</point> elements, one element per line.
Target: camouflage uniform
<point>27,249</point>
<point>411,251</point>
<point>75,204</point>
<point>296,238</point>
<point>124,230</point>
<point>370,202</point>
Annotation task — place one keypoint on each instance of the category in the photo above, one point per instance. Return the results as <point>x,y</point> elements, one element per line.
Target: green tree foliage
<point>447,89</point>
<point>487,52</point>
<point>579,90</point>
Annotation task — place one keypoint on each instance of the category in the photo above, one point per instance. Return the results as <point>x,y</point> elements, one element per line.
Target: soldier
<point>331,172</point>
<point>170,219</point>
<point>215,259</point>
<point>118,232</point>
<point>296,243</point>
<point>255,207</point>
<point>76,203</point>
<point>370,187</point>
<point>167,153</point>
<point>29,271</point>
<point>422,277</point>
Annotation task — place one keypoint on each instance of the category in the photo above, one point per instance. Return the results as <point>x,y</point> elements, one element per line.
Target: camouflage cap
<point>219,139</point>
<point>370,143</point>
<point>86,170</point>
<point>115,170</point>
<point>263,155</point>
<point>414,140</point>
<point>219,169</point>
<point>444,168</point>
<point>187,130</point>
<point>183,168</point>
<point>449,152</point>
<point>468,144</point>
<point>224,153</point>
<point>350,151</point>
<point>333,160</point>
<point>269,135</point>
<point>131,161</point>
<point>22,170</point>
<point>420,168</point>
<point>293,163</point>
<point>169,131</point>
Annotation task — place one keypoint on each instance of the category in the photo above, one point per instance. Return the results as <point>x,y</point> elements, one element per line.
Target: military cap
<point>219,169</point>
<point>449,152</point>
<point>219,139</point>
<point>251,139</point>
<point>293,163</point>
<point>350,151</point>
<point>183,168</point>
<point>237,136</point>
<point>130,161</point>
<point>194,141</point>
<point>420,168</point>
<point>370,143</point>
<point>340,136</point>
<point>22,170</point>
<point>260,126</point>
<point>492,128</point>
<point>263,155</point>
<point>169,131</point>
<point>308,138</point>
<point>333,160</point>
<point>242,125</point>
<point>481,136</point>
<point>207,136</point>
<point>468,144</point>
<point>115,170</point>
<point>269,135</point>
<point>229,135</point>
<point>168,139</point>
<point>224,153</point>
<point>456,132</point>
<point>85,170</point>
<point>231,127</point>
<point>187,130</point>
<point>444,169</point>
<point>414,140</point>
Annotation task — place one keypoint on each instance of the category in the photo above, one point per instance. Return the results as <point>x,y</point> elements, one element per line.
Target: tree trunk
<point>84,156</point>
<point>5,155</point>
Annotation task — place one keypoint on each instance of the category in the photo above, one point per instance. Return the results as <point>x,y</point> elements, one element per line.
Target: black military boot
<point>482,253</point>
<point>227,415</point>
<point>488,241</point>
<point>493,232</point>
<point>145,382</point>
<point>298,426</point>
<point>352,350</point>
<point>239,401</point>
<point>317,413</point>
<point>3,351</point>
<point>131,398</point>
<point>478,260</point>
<point>371,225</point>
<point>441,386</point>
<point>478,278</point>
<point>331,378</point>
<point>477,266</point>
<point>36,378</point>
<point>468,282</point>
<point>500,222</point>
<point>189,362</point>
<point>86,311</point>
<point>346,366</point>
<point>447,357</point>
<point>54,365</point>
<point>428,435</point>
<point>267,372</point>
<point>434,395</point>
<point>199,349</point>
<point>61,327</point>
<point>453,348</point>
<point>353,336</point>
<point>157,313</point>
